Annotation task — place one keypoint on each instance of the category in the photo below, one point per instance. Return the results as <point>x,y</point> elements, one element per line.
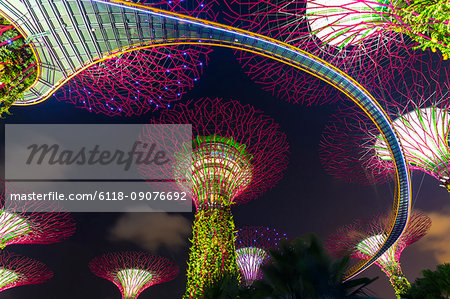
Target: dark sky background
<point>306,200</point>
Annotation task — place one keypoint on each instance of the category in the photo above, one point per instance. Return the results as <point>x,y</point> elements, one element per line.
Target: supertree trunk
<point>398,281</point>
<point>212,253</point>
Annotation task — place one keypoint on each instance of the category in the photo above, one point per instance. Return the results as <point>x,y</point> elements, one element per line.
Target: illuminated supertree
<point>418,103</point>
<point>136,82</point>
<point>362,239</point>
<point>26,224</point>
<point>133,272</point>
<point>16,270</point>
<point>362,38</point>
<point>237,154</point>
<point>17,65</point>
<point>35,227</point>
<point>252,244</point>
<point>351,22</point>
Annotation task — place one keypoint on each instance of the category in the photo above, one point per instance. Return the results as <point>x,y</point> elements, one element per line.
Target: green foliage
<point>212,256</point>
<point>227,287</point>
<point>303,269</point>
<point>427,22</point>
<point>433,284</point>
<point>398,281</point>
<point>17,67</point>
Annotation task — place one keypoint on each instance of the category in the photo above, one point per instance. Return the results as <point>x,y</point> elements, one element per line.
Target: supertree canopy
<point>143,80</point>
<point>16,270</point>
<point>346,150</point>
<point>418,104</point>
<point>35,227</point>
<point>133,272</point>
<point>424,134</point>
<point>350,22</point>
<point>25,224</point>
<point>252,244</point>
<point>362,239</point>
<point>230,147</point>
<point>220,171</point>
<point>17,65</point>
<point>237,154</point>
<point>362,38</point>
<point>333,24</point>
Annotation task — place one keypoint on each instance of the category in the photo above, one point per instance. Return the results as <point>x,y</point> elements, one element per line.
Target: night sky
<point>306,200</point>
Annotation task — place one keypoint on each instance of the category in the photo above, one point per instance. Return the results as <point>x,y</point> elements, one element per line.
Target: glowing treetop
<point>347,22</point>
<point>335,25</point>
<point>16,270</point>
<point>362,239</point>
<point>133,272</point>
<point>237,152</point>
<point>424,133</point>
<point>26,225</point>
<point>352,148</point>
<point>252,244</point>
<point>342,23</point>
